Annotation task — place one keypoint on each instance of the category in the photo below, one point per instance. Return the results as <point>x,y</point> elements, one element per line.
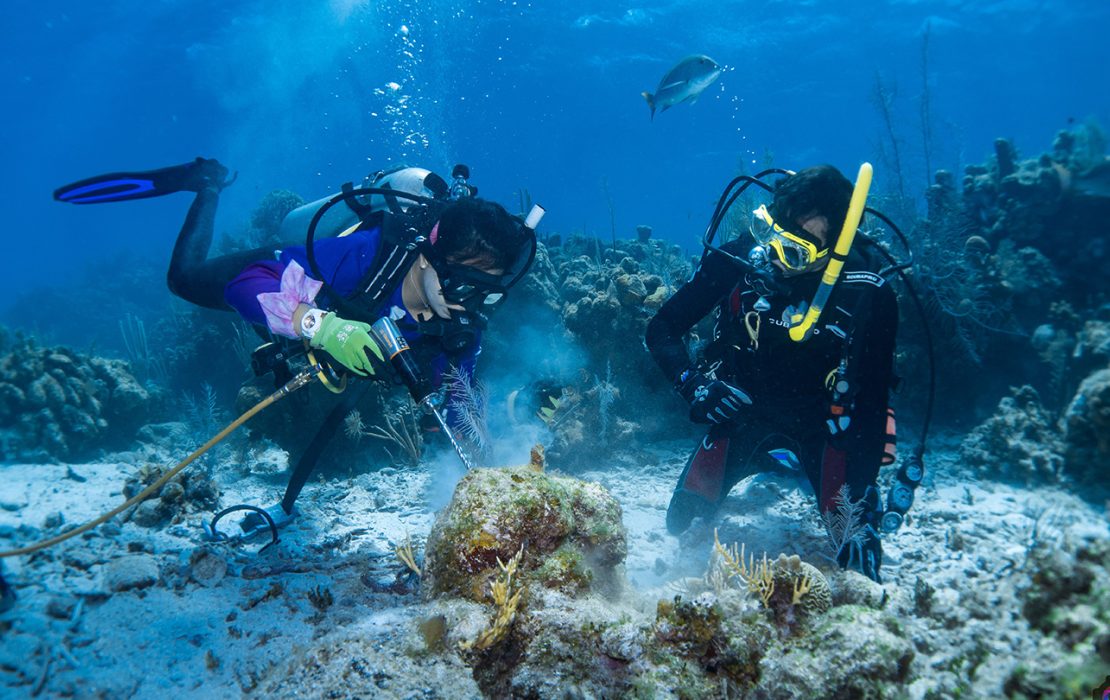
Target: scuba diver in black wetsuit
<point>408,246</point>
<point>821,404</point>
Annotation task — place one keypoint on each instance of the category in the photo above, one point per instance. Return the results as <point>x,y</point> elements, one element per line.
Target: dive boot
<point>255,523</point>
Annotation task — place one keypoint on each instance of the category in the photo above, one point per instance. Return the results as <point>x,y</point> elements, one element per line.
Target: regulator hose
<point>297,382</point>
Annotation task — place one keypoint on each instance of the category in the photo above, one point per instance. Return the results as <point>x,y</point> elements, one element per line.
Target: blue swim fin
<point>786,459</point>
<point>193,176</point>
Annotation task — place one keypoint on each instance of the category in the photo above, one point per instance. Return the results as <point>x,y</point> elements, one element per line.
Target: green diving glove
<point>349,342</point>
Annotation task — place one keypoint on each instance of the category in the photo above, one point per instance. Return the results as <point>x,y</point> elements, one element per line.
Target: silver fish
<point>685,81</point>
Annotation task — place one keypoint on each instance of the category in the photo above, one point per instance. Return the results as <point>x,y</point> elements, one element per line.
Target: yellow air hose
<point>802,330</point>
<point>301,380</point>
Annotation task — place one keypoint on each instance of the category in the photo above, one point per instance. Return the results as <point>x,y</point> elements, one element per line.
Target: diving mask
<point>792,250</point>
<point>470,287</point>
<point>477,290</point>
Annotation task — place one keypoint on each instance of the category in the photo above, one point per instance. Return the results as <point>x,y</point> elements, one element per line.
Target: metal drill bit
<point>450,435</point>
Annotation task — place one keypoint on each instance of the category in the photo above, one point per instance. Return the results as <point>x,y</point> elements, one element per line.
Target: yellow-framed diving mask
<point>793,251</point>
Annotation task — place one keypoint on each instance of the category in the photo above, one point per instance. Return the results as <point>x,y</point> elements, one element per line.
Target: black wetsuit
<point>786,380</point>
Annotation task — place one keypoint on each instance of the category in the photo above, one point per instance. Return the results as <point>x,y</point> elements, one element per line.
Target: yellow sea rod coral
<point>789,587</point>
<point>507,602</point>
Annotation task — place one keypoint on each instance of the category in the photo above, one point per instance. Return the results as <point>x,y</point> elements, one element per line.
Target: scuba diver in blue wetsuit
<point>408,246</point>
<point>815,401</point>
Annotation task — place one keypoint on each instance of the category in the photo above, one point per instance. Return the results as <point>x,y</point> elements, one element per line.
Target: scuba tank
<point>338,220</point>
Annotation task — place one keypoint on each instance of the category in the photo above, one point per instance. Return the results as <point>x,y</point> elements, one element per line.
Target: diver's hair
<point>821,190</point>
<point>477,229</point>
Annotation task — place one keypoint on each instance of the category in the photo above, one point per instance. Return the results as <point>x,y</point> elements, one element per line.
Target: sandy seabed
<point>120,612</point>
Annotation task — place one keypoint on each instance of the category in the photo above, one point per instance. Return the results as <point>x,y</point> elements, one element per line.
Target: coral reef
<point>702,641</point>
<point>999,260</point>
<point>1020,442</point>
<point>1024,442</point>
<point>792,590</point>
<point>853,652</point>
<point>1087,429</point>
<point>265,224</point>
<point>551,626</point>
<point>1067,598</point>
<point>58,404</point>
<point>597,298</point>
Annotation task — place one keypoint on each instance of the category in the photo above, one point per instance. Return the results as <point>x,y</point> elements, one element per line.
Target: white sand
<point>212,642</point>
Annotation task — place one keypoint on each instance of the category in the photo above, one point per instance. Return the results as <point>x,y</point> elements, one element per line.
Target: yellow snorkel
<point>803,328</point>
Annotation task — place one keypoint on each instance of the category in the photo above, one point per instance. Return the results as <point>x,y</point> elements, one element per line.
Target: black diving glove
<point>864,552</point>
<point>711,400</point>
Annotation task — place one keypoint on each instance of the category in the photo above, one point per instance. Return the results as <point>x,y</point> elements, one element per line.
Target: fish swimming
<point>685,81</point>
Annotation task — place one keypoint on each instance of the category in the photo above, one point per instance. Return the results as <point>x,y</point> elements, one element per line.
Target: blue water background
<point>543,96</point>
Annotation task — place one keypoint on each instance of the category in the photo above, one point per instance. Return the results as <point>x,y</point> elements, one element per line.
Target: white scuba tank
<point>341,218</point>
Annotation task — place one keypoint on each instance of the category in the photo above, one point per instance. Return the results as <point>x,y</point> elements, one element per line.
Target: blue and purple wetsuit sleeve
<point>267,292</point>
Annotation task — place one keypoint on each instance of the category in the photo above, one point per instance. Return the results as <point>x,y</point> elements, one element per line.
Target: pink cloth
<point>434,234</point>
<point>296,289</point>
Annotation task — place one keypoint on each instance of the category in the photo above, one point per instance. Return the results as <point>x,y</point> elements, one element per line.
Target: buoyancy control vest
<point>406,220</point>
<point>751,345</point>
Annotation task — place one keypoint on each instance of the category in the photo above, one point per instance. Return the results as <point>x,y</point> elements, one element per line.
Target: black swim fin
<point>193,176</point>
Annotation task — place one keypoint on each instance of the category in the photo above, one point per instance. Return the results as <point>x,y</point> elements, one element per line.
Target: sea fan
<point>353,427</point>
<point>844,523</point>
<point>468,399</point>
<point>606,395</point>
<point>201,412</point>
<point>203,419</point>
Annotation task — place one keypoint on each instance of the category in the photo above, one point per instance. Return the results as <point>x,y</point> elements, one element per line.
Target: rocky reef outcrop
<point>189,492</point>
<point>1019,442</point>
<point>56,403</point>
<point>1087,429</point>
<point>522,584</point>
<point>568,533</point>
<point>1026,442</point>
<point>1068,600</point>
